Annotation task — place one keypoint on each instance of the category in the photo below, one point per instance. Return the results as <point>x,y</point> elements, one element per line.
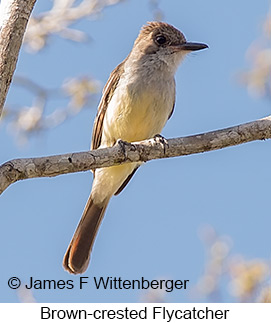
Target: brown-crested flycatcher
<point>137,101</point>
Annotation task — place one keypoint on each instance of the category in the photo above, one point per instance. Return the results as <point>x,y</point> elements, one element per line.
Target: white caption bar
<point>135,312</point>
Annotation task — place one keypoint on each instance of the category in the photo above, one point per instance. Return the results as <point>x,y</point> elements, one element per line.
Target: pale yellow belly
<point>137,118</point>
<point>130,117</point>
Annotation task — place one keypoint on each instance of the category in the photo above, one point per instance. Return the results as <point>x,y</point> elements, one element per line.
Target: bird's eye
<point>161,40</point>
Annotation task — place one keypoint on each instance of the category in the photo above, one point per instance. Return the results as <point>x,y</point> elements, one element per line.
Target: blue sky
<point>151,229</point>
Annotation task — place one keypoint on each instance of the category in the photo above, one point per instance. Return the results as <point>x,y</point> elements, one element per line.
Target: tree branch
<point>14,15</point>
<point>18,169</point>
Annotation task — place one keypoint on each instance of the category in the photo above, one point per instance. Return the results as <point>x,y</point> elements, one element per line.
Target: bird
<point>136,102</point>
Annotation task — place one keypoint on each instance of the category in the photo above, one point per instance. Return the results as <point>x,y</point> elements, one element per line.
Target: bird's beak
<point>192,46</point>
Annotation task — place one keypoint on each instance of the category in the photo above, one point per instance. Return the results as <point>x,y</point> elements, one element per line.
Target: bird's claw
<point>158,139</point>
<point>122,144</point>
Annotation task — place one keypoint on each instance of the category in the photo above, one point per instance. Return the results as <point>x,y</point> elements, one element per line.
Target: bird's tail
<point>77,256</point>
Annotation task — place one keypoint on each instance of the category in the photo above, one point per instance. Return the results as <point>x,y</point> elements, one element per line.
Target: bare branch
<point>14,15</point>
<point>18,169</point>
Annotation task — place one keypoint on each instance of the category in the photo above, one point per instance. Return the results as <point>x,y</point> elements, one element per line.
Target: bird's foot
<point>123,144</point>
<point>158,139</point>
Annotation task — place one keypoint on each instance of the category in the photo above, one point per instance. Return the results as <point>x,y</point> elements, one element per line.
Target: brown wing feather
<point>123,185</point>
<point>171,112</point>
<point>173,106</point>
<point>108,91</point>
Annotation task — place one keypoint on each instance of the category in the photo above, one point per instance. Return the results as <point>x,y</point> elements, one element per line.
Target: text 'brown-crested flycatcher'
<point>137,101</point>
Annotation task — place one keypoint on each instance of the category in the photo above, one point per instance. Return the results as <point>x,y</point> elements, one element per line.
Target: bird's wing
<point>108,91</point>
<point>173,106</point>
